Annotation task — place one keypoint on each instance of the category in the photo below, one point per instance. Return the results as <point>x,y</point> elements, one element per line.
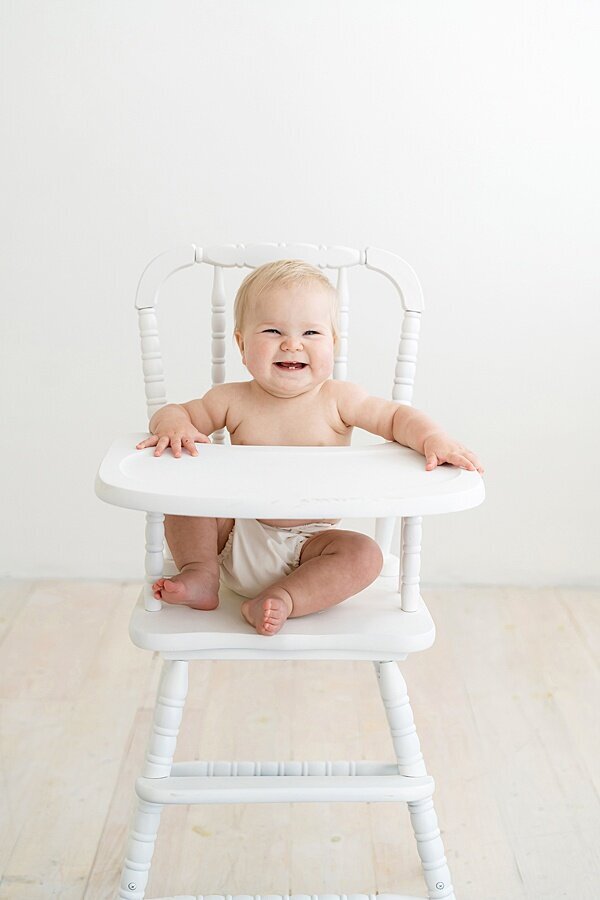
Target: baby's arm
<point>403,424</point>
<point>185,424</point>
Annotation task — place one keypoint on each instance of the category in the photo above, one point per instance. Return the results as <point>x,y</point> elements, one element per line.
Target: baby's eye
<point>312,332</point>
<point>271,331</point>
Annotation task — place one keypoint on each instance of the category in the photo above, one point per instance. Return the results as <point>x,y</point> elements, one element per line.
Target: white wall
<point>462,135</point>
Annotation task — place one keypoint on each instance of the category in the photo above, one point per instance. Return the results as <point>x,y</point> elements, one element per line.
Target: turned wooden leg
<point>170,701</point>
<point>155,542</point>
<point>410,762</point>
<point>140,848</point>
<point>410,566</point>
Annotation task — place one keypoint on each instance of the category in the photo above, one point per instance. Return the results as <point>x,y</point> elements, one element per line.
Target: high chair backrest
<point>251,256</point>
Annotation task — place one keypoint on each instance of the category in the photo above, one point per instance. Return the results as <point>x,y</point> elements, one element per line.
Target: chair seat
<point>369,625</point>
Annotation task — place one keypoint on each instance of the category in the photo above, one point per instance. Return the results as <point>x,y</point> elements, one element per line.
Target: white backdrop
<point>462,135</point>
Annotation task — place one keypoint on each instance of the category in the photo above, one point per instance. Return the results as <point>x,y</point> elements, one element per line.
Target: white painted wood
<point>284,789</point>
<point>261,768</point>
<point>402,276</point>
<point>406,360</point>
<point>377,896</point>
<point>170,701</point>
<point>430,846</point>
<point>168,711</point>
<point>152,363</point>
<point>402,392</point>
<point>410,569</point>
<point>140,850</point>
<point>431,850</point>
<point>392,688</point>
<point>218,325</point>
<point>363,627</point>
<point>379,480</point>
<point>163,266</point>
<point>340,367</point>
<point>253,255</point>
<point>157,272</point>
<point>155,542</point>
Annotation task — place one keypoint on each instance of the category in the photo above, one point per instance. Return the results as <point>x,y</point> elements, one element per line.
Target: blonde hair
<point>282,272</point>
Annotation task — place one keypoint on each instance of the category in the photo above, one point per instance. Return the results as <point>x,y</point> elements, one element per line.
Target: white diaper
<point>256,555</point>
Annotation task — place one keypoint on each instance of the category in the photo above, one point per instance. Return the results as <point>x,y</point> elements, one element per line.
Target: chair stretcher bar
<point>188,789</point>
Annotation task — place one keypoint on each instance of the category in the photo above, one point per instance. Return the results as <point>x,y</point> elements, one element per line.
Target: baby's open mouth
<point>291,366</point>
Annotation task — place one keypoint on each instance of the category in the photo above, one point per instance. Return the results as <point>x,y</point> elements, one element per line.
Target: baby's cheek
<point>325,368</point>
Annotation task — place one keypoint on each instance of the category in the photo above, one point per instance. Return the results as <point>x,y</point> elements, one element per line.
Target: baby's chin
<point>286,391</point>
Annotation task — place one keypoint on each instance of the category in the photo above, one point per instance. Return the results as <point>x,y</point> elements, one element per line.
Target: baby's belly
<point>290,523</point>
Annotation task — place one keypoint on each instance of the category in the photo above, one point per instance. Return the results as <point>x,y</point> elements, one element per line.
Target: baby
<point>285,327</point>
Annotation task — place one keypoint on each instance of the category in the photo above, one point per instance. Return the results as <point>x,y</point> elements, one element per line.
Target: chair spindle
<point>406,361</point>
<point>155,539</point>
<point>152,363</point>
<point>410,565</point>
<point>218,326</point>
<point>340,367</point>
<point>406,364</point>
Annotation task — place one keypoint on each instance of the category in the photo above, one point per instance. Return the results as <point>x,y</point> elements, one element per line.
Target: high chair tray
<point>383,479</point>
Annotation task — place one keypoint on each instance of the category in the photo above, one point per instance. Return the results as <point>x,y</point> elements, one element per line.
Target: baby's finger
<point>176,447</point>
<point>458,459</point>
<point>202,438</point>
<point>473,458</point>
<point>148,442</point>
<point>431,462</point>
<point>189,444</point>
<point>163,442</point>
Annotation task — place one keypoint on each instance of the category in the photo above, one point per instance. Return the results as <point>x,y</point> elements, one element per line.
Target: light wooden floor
<point>506,703</point>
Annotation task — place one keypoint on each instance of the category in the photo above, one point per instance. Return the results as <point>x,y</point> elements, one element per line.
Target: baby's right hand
<point>176,439</point>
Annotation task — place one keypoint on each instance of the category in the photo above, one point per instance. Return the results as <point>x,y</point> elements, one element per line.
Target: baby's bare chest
<point>287,423</point>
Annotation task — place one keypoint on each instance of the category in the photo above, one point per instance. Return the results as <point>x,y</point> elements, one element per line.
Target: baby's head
<point>283,273</point>
<point>285,326</point>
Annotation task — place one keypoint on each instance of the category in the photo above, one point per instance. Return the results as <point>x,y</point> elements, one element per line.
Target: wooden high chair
<point>382,624</point>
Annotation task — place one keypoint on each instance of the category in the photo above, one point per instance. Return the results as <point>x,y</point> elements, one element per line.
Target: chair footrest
<point>260,768</point>
<point>292,897</point>
<point>188,789</point>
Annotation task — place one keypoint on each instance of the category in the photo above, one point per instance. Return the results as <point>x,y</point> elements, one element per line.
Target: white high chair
<point>383,624</point>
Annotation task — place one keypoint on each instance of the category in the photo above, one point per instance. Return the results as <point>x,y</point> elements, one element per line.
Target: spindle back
<point>338,259</point>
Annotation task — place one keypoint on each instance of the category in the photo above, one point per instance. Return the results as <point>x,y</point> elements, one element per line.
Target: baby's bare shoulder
<point>344,392</point>
<point>227,391</point>
<point>338,398</point>
<point>212,410</point>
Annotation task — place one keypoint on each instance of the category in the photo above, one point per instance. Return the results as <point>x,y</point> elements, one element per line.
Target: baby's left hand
<point>439,448</point>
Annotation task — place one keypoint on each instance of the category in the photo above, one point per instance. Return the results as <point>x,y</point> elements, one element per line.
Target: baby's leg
<point>195,544</point>
<point>334,565</point>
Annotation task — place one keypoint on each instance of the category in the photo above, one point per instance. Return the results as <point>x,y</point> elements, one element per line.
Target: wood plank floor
<point>506,703</point>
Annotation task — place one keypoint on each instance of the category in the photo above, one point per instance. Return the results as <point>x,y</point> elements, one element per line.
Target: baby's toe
<point>274,615</point>
<point>173,587</point>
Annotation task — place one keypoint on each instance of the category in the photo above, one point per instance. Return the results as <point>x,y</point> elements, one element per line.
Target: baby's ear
<point>240,342</point>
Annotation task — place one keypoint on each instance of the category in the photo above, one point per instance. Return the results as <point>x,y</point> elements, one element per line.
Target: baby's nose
<point>291,343</point>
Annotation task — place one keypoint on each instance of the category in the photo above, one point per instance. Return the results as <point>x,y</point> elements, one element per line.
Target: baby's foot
<point>197,585</point>
<point>268,614</point>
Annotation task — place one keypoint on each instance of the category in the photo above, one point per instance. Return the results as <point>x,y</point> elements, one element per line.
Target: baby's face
<point>287,340</point>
